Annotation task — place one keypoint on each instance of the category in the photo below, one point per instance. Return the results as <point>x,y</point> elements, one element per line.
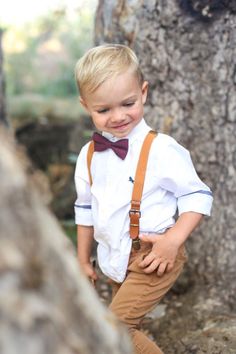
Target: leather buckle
<point>136,243</point>
<point>135,211</point>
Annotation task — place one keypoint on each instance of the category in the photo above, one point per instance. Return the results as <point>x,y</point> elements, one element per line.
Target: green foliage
<point>26,107</point>
<point>18,69</point>
<point>43,55</point>
<point>62,85</point>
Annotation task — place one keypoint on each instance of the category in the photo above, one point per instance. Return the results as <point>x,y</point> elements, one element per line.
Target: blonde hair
<point>103,62</point>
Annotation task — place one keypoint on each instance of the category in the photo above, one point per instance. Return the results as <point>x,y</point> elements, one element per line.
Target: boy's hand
<point>89,271</point>
<point>162,256</point>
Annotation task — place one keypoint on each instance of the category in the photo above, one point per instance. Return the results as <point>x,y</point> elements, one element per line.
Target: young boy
<point>113,91</point>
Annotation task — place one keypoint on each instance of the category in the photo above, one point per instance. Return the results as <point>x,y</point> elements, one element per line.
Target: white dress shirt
<point>171,183</point>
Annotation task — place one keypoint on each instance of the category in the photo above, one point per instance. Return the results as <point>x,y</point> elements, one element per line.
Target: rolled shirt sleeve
<point>178,176</point>
<point>82,206</point>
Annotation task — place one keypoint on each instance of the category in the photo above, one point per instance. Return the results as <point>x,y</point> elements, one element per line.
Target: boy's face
<point>116,106</point>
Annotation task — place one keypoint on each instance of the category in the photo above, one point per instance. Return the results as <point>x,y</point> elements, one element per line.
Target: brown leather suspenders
<point>89,160</point>
<point>134,212</point>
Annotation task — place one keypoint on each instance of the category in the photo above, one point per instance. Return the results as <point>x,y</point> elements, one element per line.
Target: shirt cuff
<point>199,202</point>
<point>83,215</point>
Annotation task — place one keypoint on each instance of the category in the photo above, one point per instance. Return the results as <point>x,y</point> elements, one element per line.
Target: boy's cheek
<point>98,122</point>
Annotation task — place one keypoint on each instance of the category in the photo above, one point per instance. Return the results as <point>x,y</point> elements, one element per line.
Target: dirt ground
<point>187,321</point>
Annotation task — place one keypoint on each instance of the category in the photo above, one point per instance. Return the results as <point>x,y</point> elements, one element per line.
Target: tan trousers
<point>139,294</point>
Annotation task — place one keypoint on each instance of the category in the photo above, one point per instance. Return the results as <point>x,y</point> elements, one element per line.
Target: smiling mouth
<point>123,125</point>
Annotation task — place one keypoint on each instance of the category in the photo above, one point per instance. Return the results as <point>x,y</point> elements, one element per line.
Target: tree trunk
<point>46,304</point>
<point>187,50</point>
<point>3,118</point>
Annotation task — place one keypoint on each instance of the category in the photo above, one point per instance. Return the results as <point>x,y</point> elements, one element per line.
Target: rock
<point>46,303</point>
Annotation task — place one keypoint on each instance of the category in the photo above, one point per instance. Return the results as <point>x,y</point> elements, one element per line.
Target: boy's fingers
<point>169,267</point>
<point>90,273</point>
<point>147,260</point>
<point>153,266</point>
<point>146,238</point>
<point>93,282</point>
<point>94,276</point>
<point>161,269</point>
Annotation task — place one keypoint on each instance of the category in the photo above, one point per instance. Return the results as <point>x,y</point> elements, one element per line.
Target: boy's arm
<point>165,246</point>
<point>84,249</point>
<point>184,226</point>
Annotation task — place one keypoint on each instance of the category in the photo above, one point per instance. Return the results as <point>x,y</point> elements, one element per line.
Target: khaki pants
<point>140,293</point>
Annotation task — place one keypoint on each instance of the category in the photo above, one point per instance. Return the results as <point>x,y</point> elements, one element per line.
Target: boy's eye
<point>103,110</point>
<point>128,104</point>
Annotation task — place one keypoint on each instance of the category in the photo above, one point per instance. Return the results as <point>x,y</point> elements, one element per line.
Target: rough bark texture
<point>46,305</point>
<point>3,118</point>
<point>187,50</point>
<point>190,66</point>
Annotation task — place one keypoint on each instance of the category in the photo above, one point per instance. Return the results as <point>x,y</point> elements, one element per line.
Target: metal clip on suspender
<point>134,212</point>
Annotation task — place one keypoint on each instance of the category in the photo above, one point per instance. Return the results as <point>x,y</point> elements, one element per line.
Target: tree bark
<point>3,117</point>
<point>187,51</point>
<point>190,64</point>
<point>46,304</point>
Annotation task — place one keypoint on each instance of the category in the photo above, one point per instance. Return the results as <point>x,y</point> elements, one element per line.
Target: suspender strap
<point>89,160</point>
<point>134,212</point>
<point>140,173</point>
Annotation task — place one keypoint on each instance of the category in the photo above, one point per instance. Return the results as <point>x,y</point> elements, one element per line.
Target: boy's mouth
<point>120,126</point>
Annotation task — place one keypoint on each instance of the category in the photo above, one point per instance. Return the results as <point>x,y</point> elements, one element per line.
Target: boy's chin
<point>121,135</point>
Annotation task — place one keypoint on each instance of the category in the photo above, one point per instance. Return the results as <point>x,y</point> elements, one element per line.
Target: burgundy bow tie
<point>120,147</point>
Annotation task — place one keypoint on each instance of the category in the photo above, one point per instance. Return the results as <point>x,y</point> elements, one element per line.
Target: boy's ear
<point>144,91</point>
<point>83,103</point>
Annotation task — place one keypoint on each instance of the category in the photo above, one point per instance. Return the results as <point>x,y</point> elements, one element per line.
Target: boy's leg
<point>139,294</point>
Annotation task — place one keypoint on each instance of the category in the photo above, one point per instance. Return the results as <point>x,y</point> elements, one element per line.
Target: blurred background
<point>41,43</point>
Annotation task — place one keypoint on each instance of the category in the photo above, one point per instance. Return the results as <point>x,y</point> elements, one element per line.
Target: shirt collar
<point>140,128</point>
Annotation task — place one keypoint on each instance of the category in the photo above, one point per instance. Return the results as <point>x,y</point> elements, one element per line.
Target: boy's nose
<point>117,116</point>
